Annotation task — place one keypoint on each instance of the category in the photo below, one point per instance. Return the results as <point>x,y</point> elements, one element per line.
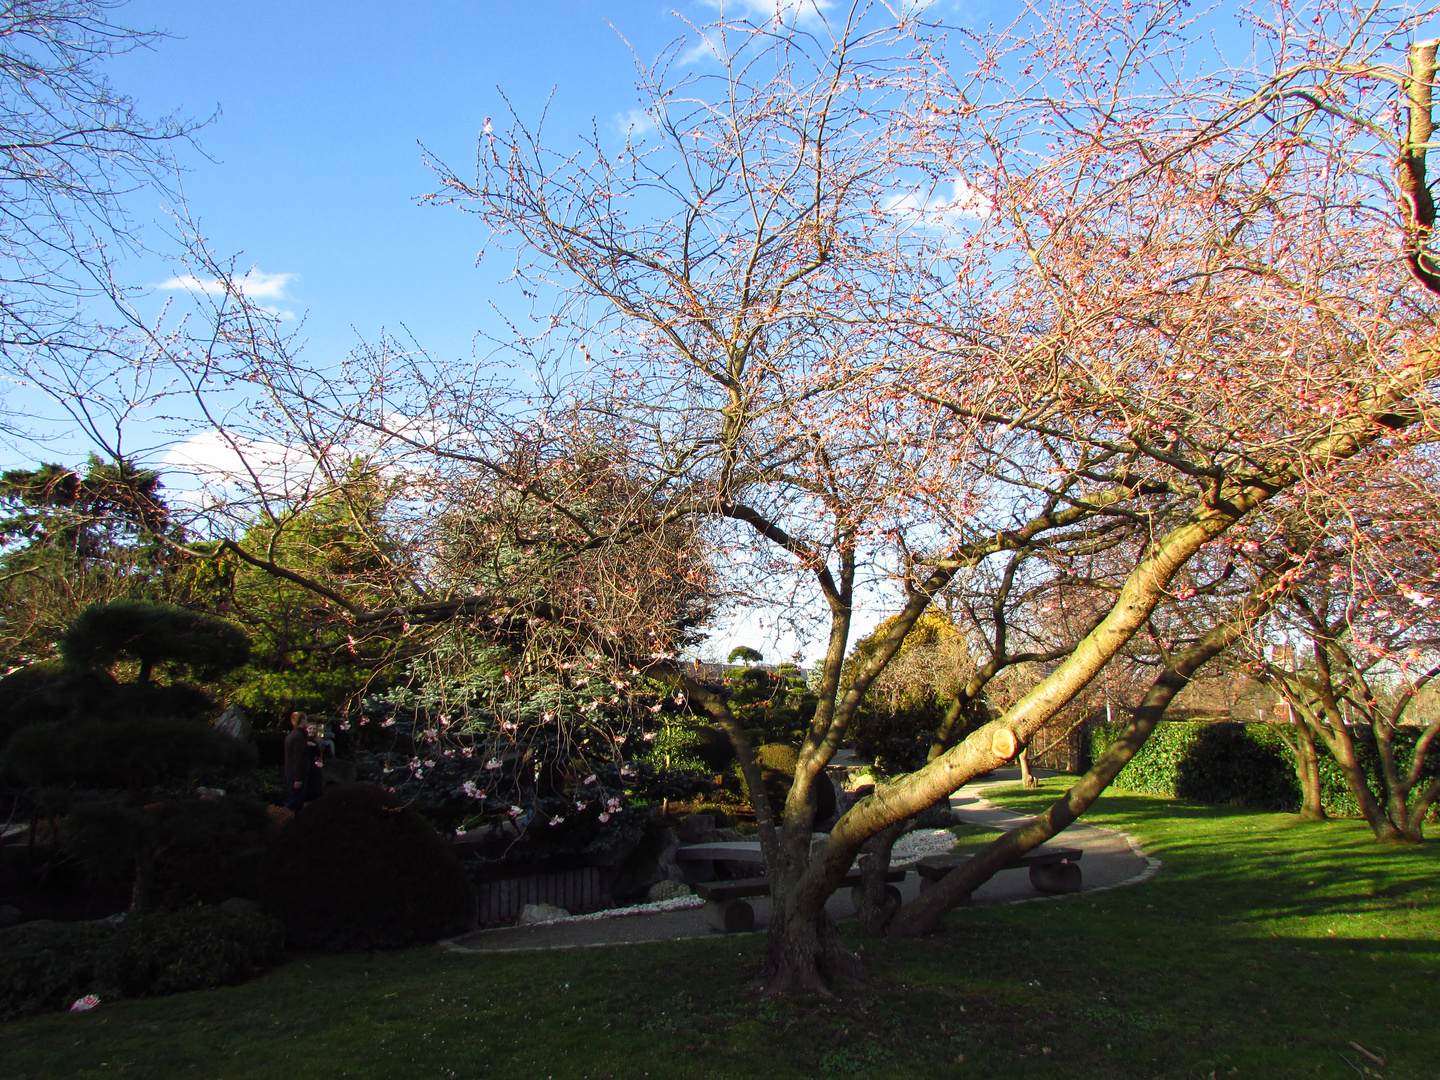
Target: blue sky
<point>311,170</point>
<point>316,151</point>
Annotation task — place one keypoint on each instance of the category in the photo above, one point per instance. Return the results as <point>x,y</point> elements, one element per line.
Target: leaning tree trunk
<point>1027,778</point>
<point>924,914</point>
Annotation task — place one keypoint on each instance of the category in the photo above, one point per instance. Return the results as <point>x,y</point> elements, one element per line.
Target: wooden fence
<point>577,891</point>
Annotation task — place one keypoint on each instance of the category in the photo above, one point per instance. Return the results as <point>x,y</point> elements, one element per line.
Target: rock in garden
<point>235,723</point>
<point>539,913</point>
<point>667,890</point>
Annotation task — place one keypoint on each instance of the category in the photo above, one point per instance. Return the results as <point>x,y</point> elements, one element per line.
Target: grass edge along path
<point>1265,948</point>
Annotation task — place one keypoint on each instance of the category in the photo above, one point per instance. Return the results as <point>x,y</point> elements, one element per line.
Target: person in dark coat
<point>315,783</point>
<point>297,761</point>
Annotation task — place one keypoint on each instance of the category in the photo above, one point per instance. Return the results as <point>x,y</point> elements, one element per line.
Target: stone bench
<point>1052,870</point>
<point>726,908</point>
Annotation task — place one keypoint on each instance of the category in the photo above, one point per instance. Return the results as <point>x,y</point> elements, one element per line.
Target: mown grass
<point>1265,948</point>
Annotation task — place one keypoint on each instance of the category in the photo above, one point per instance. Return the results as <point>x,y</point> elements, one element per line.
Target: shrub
<point>121,753</point>
<point>357,870</point>
<point>691,748</point>
<point>777,763</point>
<point>153,633</point>
<point>1242,764</point>
<point>47,966</point>
<point>210,849</point>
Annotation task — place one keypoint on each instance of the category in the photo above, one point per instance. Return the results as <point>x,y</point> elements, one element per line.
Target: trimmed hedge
<point>46,966</point>
<point>1241,765</point>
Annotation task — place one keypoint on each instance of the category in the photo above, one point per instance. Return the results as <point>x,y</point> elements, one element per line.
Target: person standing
<point>297,761</point>
<point>315,782</point>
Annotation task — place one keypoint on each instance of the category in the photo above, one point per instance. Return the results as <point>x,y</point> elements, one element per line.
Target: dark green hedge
<point>46,966</point>
<point>1240,765</point>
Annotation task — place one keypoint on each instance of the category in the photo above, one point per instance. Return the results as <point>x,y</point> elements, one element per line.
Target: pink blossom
<point>556,820</point>
<point>493,763</point>
<point>604,818</point>
<point>514,811</point>
<point>85,1004</point>
<point>388,723</point>
<point>589,779</point>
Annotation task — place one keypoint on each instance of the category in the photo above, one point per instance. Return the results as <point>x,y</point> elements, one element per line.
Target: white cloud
<point>635,122</point>
<point>934,208</point>
<point>254,285</point>
<point>221,464</point>
<point>786,11</point>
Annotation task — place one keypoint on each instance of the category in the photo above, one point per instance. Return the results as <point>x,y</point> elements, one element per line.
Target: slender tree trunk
<point>144,879</point>
<point>1027,778</point>
<point>1307,770</point>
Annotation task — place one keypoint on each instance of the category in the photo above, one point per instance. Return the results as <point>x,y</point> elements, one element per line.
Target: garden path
<point>1112,859</point>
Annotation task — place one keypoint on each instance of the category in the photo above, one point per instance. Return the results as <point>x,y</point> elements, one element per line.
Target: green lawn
<point>1263,949</point>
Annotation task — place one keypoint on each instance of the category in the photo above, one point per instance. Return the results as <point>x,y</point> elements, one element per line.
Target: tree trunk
<point>1027,778</point>
<point>1342,746</point>
<point>925,913</point>
<point>1307,771</point>
<point>803,950</point>
<point>876,906</point>
<point>144,878</point>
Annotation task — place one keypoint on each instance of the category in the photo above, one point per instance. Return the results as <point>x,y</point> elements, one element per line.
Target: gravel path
<point>1112,859</point>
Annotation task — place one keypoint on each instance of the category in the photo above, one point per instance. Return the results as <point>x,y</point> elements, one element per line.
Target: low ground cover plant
<point>46,966</point>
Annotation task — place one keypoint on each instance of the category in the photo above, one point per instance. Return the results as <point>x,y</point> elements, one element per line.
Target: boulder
<point>235,723</point>
<point>540,913</point>
<point>9,915</point>
<point>692,829</point>
<point>650,861</point>
<point>667,890</point>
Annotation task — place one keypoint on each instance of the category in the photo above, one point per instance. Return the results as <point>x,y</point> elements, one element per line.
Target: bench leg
<point>729,916</point>
<point>1060,878</point>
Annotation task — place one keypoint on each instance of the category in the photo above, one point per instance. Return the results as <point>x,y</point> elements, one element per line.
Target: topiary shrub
<point>152,634</point>
<point>47,966</point>
<point>357,870</point>
<point>777,763</point>
<point>209,849</point>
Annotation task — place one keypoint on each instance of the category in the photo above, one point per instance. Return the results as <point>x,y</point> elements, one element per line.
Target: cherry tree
<point>841,318</point>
